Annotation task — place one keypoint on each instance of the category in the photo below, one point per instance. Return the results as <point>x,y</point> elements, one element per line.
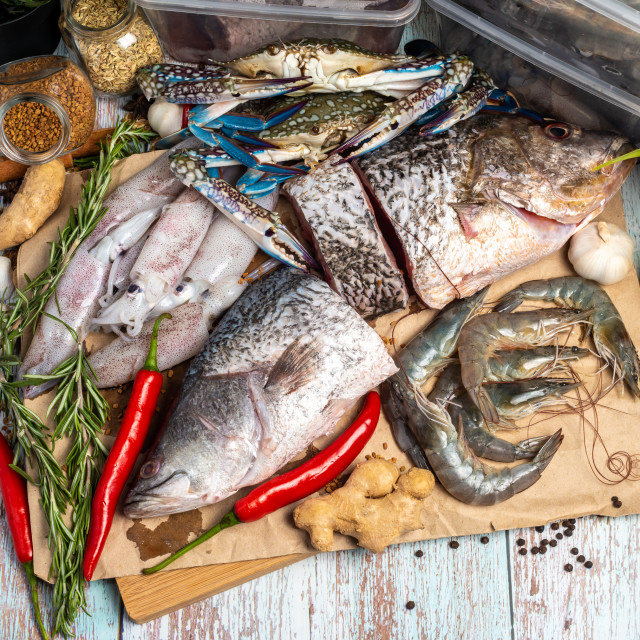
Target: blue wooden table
<point>477,591</point>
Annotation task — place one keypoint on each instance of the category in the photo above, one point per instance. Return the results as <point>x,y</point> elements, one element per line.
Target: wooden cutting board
<point>149,597</point>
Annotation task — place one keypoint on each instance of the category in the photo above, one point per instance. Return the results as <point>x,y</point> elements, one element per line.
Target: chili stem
<point>151,363</point>
<point>28,566</point>
<point>228,521</point>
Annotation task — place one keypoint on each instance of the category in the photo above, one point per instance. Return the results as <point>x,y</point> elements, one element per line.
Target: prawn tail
<point>482,399</point>
<point>508,303</point>
<point>531,447</point>
<point>549,449</point>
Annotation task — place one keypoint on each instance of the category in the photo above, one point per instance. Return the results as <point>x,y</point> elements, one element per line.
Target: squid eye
<point>149,469</point>
<point>180,288</point>
<point>315,130</point>
<point>330,48</point>
<point>558,131</point>
<point>133,288</point>
<point>273,49</point>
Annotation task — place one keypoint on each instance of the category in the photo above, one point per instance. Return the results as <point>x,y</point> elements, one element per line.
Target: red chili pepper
<point>185,114</point>
<point>14,495</point>
<point>298,483</point>
<point>122,457</point>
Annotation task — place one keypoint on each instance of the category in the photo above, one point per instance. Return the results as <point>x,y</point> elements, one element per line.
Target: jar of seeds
<point>113,38</point>
<point>47,108</point>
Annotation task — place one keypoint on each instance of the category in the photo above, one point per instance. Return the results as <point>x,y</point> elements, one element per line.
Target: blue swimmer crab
<point>436,90</point>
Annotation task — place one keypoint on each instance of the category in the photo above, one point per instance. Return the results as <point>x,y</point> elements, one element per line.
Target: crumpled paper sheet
<point>568,487</point>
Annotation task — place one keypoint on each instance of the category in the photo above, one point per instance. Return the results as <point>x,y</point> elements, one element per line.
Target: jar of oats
<point>113,38</point>
<point>47,108</point>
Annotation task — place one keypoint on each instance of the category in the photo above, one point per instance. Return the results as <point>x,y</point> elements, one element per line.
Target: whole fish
<point>489,196</point>
<point>283,365</point>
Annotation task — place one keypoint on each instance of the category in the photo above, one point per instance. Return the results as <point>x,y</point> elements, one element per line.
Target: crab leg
<point>264,227</point>
<point>257,184</point>
<point>461,107</point>
<point>154,79</point>
<point>171,247</point>
<point>400,114</point>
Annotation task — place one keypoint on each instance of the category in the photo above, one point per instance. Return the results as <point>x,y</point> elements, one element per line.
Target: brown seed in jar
<point>32,126</point>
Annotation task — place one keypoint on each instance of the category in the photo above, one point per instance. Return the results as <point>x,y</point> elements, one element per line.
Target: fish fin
<point>295,368</point>
<point>467,214</point>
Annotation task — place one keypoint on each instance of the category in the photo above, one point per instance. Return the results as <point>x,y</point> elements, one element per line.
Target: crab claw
<point>463,106</point>
<point>232,88</point>
<point>264,227</point>
<point>396,117</point>
<point>256,184</point>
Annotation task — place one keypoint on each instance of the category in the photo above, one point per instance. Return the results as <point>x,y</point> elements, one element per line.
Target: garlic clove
<point>165,117</point>
<point>602,252</point>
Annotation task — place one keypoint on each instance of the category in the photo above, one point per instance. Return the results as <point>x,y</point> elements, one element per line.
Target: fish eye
<point>273,49</point>
<point>558,130</point>
<point>330,48</point>
<point>149,469</point>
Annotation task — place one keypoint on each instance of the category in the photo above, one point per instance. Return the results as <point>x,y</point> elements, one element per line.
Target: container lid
<point>375,13</point>
<point>625,94</point>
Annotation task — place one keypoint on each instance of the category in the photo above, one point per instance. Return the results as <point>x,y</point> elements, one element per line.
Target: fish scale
<point>279,370</point>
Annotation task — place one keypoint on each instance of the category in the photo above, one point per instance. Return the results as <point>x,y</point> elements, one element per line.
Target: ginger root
<point>37,198</point>
<point>367,507</point>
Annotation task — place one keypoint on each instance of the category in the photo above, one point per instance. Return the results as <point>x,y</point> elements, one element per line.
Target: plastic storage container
<point>205,30</point>
<point>550,47</point>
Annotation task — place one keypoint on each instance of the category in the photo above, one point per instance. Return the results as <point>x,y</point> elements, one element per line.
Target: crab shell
<point>311,57</point>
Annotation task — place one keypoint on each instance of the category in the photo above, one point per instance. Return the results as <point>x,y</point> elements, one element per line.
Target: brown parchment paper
<point>568,487</point>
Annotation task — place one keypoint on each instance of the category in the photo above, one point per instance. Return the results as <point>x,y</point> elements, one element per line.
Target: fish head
<point>547,169</point>
<point>208,446</point>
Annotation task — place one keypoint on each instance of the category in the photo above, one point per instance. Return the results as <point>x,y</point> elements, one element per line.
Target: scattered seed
<point>580,558</point>
<point>534,550</point>
<point>454,544</point>
<point>539,528</point>
<point>403,468</point>
<point>419,553</point>
<point>568,567</point>
<point>559,536</point>
<point>617,504</point>
<point>394,460</point>
<point>543,550</point>
<point>553,543</point>
<point>522,552</point>
<point>614,498</point>
<point>484,540</point>
<point>411,605</point>
<point>544,542</point>
<point>568,533</point>
<point>572,520</point>
<point>384,445</point>
<point>170,373</point>
<point>588,564</point>
<point>574,551</point>
<point>520,542</point>
<point>555,526</point>
<point>565,523</point>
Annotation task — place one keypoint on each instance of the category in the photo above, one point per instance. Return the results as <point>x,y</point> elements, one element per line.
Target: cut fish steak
<point>335,214</point>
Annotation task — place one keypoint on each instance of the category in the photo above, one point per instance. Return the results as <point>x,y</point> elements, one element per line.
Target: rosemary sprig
<point>78,409</point>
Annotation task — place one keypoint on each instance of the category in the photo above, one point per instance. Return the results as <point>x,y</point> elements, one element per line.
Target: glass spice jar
<point>47,108</point>
<point>113,38</point>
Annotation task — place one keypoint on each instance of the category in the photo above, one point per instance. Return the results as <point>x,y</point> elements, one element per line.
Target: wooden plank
<point>602,602</point>
<point>147,597</point>
<point>17,620</point>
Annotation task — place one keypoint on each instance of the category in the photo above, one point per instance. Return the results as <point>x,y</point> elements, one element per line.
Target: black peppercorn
<point>614,498</point>
<point>411,604</point>
<point>617,504</point>
<point>559,536</point>
<point>543,550</point>
<point>535,550</point>
<point>544,541</point>
<point>572,520</point>
<point>568,533</point>
<point>484,540</point>
<point>454,544</point>
<point>553,543</point>
<point>588,564</point>
<point>568,567</point>
<point>574,551</point>
<point>520,542</point>
<point>555,526</point>
<point>523,552</point>
<point>565,523</point>
<point>580,558</point>
<point>419,553</point>
<point>540,529</point>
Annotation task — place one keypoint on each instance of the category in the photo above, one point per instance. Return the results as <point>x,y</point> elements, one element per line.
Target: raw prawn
<point>484,334</point>
<point>521,364</point>
<point>457,468</point>
<point>610,336</point>
<point>171,247</point>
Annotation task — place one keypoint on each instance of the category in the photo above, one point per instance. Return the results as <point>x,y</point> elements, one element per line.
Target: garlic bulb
<point>602,252</point>
<point>165,117</point>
